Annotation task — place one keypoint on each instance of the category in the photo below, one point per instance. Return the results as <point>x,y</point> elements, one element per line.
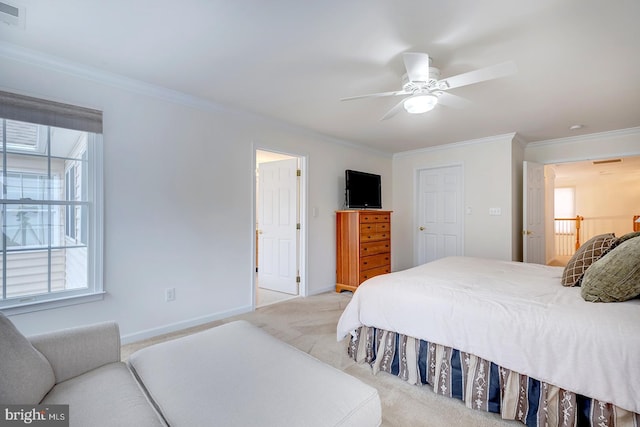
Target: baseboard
<point>189,323</point>
<point>323,290</point>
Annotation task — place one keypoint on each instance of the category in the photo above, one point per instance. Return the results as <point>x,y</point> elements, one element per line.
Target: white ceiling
<point>292,60</point>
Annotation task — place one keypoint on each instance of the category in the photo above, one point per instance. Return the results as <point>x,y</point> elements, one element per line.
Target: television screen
<point>362,190</point>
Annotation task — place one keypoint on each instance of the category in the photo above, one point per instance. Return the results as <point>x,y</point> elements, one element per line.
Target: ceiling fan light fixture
<point>421,103</point>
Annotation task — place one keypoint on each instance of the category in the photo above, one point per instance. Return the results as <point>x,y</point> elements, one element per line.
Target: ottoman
<point>238,375</point>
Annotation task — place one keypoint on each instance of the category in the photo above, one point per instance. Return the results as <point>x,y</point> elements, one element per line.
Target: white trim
<point>331,288</point>
<point>53,303</point>
<point>94,290</point>
<point>53,63</point>
<point>460,144</point>
<point>178,326</point>
<point>304,219</point>
<point>589,136</point>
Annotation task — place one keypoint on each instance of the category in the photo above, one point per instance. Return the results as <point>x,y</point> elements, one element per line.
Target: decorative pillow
<point>586,254</point>
<point>25,374</point>
<point>615,277</point>
<point>623,239</point>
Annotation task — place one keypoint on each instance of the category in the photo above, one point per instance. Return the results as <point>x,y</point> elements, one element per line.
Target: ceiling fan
<point>423,88</point>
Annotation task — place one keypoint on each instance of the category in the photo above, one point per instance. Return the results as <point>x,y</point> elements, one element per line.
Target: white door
<point>277,225</point>
<point>533,235</point>
<point>439,213</point>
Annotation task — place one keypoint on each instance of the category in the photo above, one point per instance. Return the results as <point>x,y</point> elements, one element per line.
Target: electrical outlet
<point>170,294</point>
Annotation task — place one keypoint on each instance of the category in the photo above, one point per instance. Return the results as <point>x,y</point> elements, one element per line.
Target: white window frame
<point>47,113</point>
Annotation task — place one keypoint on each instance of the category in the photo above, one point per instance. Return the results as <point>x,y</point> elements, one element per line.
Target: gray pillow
<point>614,277</point>
<point>586,254</point>
<point>622,239</point>
<point>25,374</point>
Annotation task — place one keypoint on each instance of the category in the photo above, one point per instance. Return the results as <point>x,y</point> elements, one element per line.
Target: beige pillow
<point>586,255</point>
<point>25,374</point>
<point>615,277</point>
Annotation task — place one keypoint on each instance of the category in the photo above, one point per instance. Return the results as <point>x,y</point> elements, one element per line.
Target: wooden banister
<point>578,220</point>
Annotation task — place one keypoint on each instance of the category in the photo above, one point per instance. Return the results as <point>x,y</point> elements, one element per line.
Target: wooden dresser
<point>363,239</point>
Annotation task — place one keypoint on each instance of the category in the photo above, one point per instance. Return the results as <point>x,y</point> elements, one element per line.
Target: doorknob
<point>421,228</point>
<point>526,232</point>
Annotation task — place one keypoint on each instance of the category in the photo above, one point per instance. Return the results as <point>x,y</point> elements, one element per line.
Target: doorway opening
<point>279,238</point>
<point>582,199</point>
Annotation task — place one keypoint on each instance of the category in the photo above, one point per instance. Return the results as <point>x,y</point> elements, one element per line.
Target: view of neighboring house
<point>44,210</point>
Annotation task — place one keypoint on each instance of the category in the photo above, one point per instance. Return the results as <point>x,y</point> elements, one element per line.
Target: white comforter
<point>514,314</point>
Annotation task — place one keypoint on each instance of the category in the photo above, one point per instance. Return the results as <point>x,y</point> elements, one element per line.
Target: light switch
<point>495,211</point>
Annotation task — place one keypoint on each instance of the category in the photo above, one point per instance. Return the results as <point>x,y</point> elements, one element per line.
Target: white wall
<point>487,166</point>
<point>179,197</point>
<point>493,178</point>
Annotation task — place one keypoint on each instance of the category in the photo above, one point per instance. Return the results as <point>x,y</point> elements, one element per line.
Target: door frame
<point>302,201</point>
<point>416,200</point>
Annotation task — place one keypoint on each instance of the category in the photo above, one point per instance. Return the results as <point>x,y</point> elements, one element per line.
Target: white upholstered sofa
<point>231,375</point>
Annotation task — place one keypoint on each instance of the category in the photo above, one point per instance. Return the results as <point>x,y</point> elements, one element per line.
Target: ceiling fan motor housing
<point>429,84</point>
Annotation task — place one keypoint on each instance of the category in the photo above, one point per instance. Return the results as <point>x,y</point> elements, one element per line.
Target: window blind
<point>49,113</point>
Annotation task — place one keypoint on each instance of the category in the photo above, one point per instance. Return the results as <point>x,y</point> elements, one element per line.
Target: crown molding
<point>485,140</point>
<point>586,137</point>
<point>53,63</point>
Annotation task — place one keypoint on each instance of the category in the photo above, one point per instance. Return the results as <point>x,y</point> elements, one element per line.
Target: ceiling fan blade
<point>417,65</point>
<point>488,73</point>
<point>449,100</point>
<point>395,110</point>
<point>377,95</point>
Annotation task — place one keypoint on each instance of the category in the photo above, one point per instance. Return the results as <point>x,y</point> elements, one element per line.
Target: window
<point>50,203</point>
<point>564,207</point>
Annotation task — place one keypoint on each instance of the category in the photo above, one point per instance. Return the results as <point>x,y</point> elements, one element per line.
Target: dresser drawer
<point>369,237</point>
<point>374,227</point>
<point>375,261</point>
<point>368,274</point>
<point>373,248</point>
<point>375,217</point>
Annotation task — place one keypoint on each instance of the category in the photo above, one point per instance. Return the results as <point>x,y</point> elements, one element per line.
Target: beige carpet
<point>310,325</point>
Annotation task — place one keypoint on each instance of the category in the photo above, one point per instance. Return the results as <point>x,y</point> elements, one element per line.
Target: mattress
<point>514,314</point>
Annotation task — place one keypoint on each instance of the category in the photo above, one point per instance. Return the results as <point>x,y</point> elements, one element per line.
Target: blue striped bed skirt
<point>482,384</point>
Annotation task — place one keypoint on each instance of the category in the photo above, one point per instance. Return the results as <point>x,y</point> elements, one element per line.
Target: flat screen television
<point>362,190</point>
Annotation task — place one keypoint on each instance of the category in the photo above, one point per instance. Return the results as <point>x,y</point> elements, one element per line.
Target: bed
<point>504,337</point>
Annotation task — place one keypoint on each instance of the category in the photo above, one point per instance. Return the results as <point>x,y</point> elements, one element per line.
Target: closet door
<point>439,222</point>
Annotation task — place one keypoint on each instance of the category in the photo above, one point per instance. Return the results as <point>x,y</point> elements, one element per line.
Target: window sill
<point>51,303</point>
